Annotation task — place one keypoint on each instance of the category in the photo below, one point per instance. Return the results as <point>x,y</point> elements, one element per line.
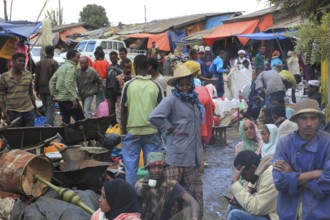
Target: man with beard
<point>159,194</point>
<point>257,202</point>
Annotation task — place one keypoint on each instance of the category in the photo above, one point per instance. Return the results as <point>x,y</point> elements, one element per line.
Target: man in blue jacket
<point>217,70</point>
<point>302,167</point>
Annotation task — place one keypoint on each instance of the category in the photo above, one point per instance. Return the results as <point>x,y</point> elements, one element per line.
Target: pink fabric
<point>128,216</point>
<point>212,90</point>
<point>99,215</point>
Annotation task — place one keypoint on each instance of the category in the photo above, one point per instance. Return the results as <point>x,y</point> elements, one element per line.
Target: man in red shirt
<point>101,66</point>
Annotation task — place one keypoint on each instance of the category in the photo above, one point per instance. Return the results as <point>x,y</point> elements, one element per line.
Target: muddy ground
<point>217,176</point>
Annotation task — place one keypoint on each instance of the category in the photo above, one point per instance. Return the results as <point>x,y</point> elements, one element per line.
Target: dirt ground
<point>217,176</point>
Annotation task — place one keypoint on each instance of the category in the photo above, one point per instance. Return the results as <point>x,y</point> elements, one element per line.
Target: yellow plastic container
<point>141,161</point>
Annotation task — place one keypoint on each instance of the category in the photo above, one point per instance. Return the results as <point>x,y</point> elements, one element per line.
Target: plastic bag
<point>114,130</point>
<point>40,121</point>
<point>103,109</point>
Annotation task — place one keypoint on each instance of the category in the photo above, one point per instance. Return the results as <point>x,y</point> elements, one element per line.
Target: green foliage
<point>310,9</point>
<point>94,14</point>
<point>53,16</point>
<point>314,40</point>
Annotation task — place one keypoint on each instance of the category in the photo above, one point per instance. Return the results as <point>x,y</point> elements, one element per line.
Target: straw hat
<point>155,159</point>
<point>306,106</point>
<point>181,71</point>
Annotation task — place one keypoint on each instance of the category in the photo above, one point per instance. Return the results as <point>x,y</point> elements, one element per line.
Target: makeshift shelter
<point>19,28</point>
<point>62,35</point>
<point>9,34</point>
<point>241,27</point>
<point>179,27</point>
<point>161,40</point>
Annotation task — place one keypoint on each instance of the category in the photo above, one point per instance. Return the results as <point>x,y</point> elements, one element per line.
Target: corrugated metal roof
<point>199,35</point>
<point>159,26</point>
<point>286,23</point>
<point>70,26</point>
<point>252,15</point>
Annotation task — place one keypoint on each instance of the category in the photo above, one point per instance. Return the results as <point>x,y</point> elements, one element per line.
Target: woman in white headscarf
<point>239,61</point>
<point>270,136</point>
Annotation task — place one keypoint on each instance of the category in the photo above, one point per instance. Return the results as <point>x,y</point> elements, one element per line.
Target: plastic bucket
<point>17,168</point>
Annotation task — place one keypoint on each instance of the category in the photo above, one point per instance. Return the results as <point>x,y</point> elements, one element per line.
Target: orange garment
<point>101,67</point>
<point>207,102</point>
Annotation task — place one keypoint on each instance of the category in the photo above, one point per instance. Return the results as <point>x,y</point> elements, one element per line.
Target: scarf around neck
<point>191,97</point>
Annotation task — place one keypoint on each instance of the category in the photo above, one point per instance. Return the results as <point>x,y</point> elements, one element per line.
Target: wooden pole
<point>43,7</point>
<point>278,43</point>
<point>5,9</point>
<point>11,9</point>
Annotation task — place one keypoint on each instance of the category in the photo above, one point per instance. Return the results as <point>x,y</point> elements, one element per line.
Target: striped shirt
<point>17,95</point>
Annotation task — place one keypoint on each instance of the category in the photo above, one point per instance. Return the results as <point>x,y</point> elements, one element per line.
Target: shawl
<point>247,144</point>
<point>121,198</point>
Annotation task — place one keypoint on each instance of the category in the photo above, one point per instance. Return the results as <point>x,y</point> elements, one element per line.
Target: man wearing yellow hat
<point>302,166</point>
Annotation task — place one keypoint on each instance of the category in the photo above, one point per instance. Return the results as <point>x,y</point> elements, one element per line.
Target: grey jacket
<point>89,82</point>
<point>184,145</point>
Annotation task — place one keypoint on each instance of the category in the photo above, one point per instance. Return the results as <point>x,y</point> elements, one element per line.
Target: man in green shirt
<point>260,58</point>
<point>63,88</point>
<point>139,97</point>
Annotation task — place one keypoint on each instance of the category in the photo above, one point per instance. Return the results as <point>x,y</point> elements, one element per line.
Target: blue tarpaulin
<point>216,21</point>
<point>263,36</point>
<point>19,28</point>
<point>175,37</point>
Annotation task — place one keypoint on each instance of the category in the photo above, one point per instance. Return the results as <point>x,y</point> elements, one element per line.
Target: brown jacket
<point>45,70</point>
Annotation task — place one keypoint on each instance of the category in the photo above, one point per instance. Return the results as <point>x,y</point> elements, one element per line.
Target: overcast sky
<point>129,11</point>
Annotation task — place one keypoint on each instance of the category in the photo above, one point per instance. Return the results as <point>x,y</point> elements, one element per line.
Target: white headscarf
<point>269,148</point>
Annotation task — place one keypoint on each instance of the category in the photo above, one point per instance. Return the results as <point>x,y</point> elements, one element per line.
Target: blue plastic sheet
<point>19,28</point>
<point>175,37</point>
<point>216,21</point>
<point>263,36</point>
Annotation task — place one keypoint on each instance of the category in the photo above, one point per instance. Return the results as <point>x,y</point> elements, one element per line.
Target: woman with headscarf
<point>251,138</point>
<point>118,201</point>
<point>179,116</point>
<point>240,59</point>
<point>275,61</point>
<point>270,136</point>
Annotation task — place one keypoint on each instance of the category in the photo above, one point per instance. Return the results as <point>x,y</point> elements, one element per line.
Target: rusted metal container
<point>17,168</point>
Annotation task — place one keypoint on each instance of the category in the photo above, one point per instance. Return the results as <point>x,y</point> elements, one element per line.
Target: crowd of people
<point>280,168</point>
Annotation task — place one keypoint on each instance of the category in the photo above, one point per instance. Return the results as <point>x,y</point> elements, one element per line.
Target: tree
<point>94,14</point>
<point>55,16</point>
<point>314,40</point>
<point>313,37</point>
<point>310,9</point>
